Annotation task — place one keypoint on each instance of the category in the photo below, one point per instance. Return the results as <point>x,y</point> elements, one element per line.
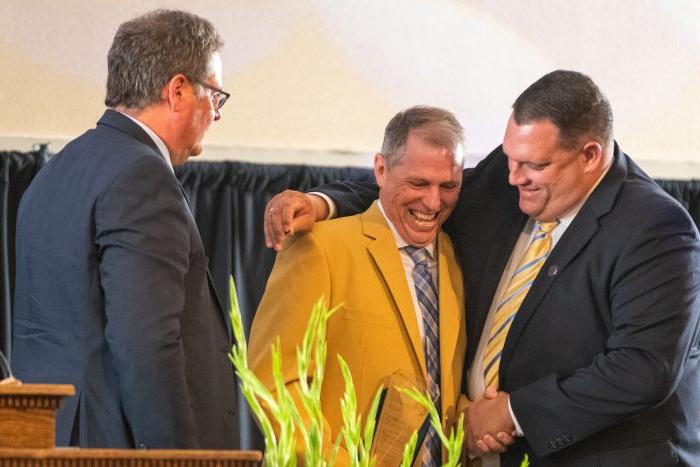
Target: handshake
<point>488,424</point>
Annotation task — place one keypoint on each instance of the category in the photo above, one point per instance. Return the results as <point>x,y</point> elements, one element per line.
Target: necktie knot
<point>419,255</point>
<point>547,227</point>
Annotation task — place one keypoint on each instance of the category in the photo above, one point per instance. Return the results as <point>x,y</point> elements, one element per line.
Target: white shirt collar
<point>400,242</point>
<point>156,139</point>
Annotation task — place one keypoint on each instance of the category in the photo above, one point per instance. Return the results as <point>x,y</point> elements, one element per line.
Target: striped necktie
<point>518,286</point>
<point>427,296</point>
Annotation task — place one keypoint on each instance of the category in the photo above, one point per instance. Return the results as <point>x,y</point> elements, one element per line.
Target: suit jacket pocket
<point>378,316</point>
<point>658,454</point>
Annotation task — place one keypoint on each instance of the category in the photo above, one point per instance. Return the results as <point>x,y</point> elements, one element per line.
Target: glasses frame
<point>220,95</point>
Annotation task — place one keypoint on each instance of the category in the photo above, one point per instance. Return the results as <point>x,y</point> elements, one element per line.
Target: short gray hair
<point>436,126</point>
<point>570,100</point>
<point>150,49</point>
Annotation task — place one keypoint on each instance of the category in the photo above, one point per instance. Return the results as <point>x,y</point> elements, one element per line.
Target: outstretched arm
<point>292,211</point>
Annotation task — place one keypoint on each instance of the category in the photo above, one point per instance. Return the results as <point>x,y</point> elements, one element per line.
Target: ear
<point>380,169</point>
<point>592,155</point>
<point>173,91</point>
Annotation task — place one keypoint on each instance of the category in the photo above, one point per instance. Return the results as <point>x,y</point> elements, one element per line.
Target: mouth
<point>422,218</point>
<point>527,191</point>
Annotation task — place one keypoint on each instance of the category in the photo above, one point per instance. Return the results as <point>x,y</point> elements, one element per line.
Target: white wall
<point>315,81</point>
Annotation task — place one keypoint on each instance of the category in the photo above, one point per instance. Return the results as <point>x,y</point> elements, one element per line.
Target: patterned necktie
<point>517,289</point>
<point>426,293</point>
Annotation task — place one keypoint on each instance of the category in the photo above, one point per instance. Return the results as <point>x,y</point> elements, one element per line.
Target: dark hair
<point>150,49</point>
<point>570,100</point>
<point>436,126</point>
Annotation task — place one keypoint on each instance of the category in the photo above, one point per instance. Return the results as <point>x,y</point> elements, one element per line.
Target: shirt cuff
<point>329,202</point>
<point>518,430</point>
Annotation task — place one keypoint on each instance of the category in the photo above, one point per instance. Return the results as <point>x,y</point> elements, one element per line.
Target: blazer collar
<point>116,120</point>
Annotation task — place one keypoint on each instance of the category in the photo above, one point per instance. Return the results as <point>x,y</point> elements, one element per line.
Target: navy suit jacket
<point>603,358</point>
<point>113,296</point>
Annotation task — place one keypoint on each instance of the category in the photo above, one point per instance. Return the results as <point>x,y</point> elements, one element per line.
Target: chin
<point>421,240</point>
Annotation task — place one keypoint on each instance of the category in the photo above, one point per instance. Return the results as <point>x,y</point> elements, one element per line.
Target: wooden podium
<point>28,414</point>
<point>28,430</point>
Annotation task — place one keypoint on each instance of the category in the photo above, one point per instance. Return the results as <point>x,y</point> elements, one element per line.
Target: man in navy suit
<point>600,364</point>
<point>112,292</point>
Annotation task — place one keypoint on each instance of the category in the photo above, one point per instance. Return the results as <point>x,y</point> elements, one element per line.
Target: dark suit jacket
<point>112,295</point>
<point>602,360</point>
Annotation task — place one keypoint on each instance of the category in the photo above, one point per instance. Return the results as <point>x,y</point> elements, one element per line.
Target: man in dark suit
<point>581,285</point>
<point>112,292</point>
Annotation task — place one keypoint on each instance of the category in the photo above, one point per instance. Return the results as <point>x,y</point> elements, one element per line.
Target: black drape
<point>228,201</point>
<point>16,172</point>
<point>687,192</point>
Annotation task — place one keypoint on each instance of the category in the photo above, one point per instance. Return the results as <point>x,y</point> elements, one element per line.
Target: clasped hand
<point>488,426</point>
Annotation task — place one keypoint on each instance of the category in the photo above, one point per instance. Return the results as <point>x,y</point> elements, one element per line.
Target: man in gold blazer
<point>395,322</point>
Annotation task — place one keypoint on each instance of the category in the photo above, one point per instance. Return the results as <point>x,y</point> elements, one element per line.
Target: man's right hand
<point>290,212</point>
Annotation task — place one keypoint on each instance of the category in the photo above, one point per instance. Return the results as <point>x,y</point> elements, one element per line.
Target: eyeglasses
<point>219,97</point>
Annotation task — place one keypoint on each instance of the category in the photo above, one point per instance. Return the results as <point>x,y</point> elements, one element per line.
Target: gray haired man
<point>112,292</point>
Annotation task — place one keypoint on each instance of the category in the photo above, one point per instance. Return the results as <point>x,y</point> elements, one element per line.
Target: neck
<point>154,118</point>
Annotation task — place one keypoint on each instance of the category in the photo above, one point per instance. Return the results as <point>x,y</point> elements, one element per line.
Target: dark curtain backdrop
<point>16,172</point>
<point>227,199</point>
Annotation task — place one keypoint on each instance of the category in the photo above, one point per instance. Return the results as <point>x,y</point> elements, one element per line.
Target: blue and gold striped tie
<point>517,289</point>
<point>427,296</point>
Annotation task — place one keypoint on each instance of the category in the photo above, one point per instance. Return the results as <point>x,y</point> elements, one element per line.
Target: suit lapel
<point>215,296</point>
<point>451,318</point>
<point>507,228</point>
<point>388,261</point>
<point>577,236</point>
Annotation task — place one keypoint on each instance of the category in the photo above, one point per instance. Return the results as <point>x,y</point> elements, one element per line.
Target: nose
<point>515,174</point>
<point>431,199</point>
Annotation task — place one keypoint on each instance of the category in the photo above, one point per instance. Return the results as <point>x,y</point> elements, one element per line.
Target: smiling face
<point>551,179</point>
<point>419,192</point>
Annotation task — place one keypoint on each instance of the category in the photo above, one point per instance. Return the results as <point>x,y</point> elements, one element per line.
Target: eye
<point>537,167</point>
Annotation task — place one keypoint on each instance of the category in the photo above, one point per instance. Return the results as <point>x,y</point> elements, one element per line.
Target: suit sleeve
<point>654,307</point>
<point>350,197</point>
<point>300,276</point>
<point>141,231</point>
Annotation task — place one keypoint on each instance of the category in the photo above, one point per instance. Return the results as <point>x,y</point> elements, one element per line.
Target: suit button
<point>553,270</point>
<point>553,444</point>
<point>141,446</point>
<point>232,412</point>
